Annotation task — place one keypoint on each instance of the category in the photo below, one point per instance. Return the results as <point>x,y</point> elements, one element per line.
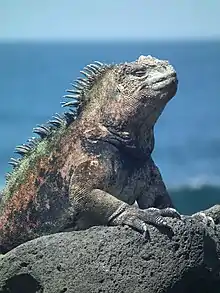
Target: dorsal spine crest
<point>81,86</point>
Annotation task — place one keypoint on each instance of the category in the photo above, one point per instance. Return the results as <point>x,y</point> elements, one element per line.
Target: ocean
<point>33,77</point>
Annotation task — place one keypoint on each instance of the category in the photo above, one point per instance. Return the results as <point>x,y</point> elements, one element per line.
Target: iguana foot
<point>138,219</point>
<point>206,220</point>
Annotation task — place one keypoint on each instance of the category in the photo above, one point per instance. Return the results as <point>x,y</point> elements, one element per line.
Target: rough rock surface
<point>117,259</point>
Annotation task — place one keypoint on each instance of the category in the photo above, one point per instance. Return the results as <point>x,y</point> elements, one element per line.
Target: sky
<point>109,19</point>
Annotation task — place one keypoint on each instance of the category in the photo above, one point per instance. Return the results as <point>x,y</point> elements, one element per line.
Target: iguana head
<point>139,92</point>
<point>129,98</point>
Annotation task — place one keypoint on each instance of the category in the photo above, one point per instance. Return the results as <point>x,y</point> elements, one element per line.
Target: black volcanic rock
<point>117,259</point>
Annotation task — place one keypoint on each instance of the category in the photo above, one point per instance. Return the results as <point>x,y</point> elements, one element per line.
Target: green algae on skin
<point>42,150</point>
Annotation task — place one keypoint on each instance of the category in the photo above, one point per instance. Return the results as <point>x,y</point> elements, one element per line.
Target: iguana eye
<point>139,73</point>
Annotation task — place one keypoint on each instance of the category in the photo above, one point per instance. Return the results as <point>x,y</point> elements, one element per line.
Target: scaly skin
<point>90,170</point>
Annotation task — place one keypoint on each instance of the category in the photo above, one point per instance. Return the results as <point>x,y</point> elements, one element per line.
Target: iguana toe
<point>138,219</point>
<point>206,220</point>
<point>170,212</point>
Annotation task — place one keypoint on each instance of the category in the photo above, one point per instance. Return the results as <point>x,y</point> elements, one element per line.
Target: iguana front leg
<point>154,194</point>
<point>98,207</point>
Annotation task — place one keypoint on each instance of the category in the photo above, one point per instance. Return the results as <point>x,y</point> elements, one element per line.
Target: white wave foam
<point>197,182</point>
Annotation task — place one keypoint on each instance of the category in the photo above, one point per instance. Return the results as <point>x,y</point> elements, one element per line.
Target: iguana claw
<point>138,219</point>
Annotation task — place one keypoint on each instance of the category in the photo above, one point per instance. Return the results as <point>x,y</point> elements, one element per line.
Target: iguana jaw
<point>166,81</point>
<point>164,89</point>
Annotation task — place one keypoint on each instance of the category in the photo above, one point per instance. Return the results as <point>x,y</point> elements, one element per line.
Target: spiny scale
<point>77,92</point>
<point>22,149</point>
<point>42,131</point>
<point>89,71</point>
<point>83,80</point>
<point>78,88</point>
<point>81,86</point>
<point>70,104</point>
<point>79,83</point>
<point>7,176</point>
<point>58,117</point>
<point>86,74</point>
<point>70,116</point>
<point>73,96</point>
<point>14,162</point>
<point>55,123</point>
<point>58,120</point>
<point>95,66</point>
<point>33,141</point>
<point>99,63</point>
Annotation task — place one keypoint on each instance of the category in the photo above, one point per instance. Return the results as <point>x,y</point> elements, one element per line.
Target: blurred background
<point>45,43</point>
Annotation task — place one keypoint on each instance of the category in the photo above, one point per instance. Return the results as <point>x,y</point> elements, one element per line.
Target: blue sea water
<point>33,77</point>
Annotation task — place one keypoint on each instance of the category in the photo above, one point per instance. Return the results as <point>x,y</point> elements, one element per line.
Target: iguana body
<point>87,170</point>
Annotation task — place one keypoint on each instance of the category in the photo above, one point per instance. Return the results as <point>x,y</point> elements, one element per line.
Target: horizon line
<point>104,40</point>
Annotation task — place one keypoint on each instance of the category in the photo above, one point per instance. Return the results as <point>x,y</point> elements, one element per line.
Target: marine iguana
<point>90,164</point>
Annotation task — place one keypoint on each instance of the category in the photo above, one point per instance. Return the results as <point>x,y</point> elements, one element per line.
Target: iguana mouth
<point>162,77</point>
<point>160,81</point>
<point>165,81</point>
